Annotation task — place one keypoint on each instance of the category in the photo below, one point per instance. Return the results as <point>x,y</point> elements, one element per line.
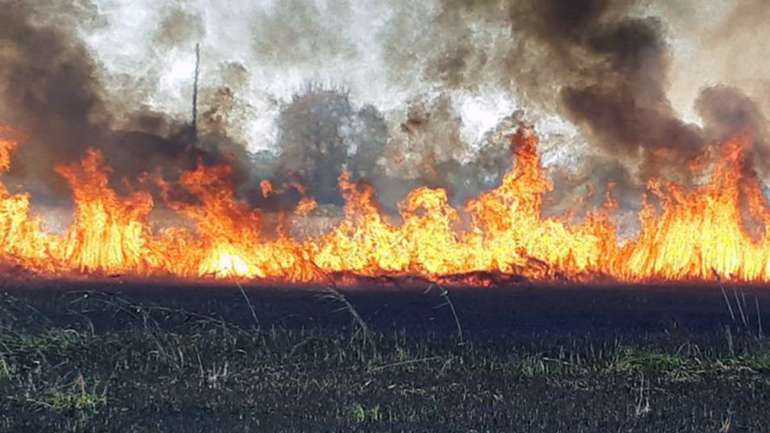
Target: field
<point>125,357</point>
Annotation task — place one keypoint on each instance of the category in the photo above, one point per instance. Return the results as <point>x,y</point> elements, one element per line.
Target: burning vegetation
<point>414,197</point>
<point>717,228</point>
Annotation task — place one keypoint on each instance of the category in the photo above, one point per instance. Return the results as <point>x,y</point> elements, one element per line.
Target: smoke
<point>49,90</point>
<point>594,62</point>
<point>52,90</point>
<point>606,67</point>
<point>178,27</point>
<point>299,91</point>
<point>322,135</point>
<point>726,111</point>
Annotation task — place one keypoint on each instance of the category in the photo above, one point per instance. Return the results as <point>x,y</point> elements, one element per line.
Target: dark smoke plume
<point>621,101</point>
<point>50,89</point>
<point>604,66</point>
<point>726,111</point>
<point>603,69</point>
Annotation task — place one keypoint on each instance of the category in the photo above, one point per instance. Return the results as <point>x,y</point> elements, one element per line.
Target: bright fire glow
<point>717,228</point>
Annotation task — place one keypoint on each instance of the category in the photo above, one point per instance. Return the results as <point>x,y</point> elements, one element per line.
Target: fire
<point>109,233</point>
<point>7,145</point>
<point>22,240</point>
<point>267,188</point>
<point>701,231</point>
<point>305,206</point>
<point>719,227</point>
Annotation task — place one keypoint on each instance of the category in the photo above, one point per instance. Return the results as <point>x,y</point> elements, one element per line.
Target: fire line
<point>690,235</point>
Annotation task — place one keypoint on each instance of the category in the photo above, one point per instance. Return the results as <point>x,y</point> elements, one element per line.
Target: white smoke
<point>282,46</point>
<point>146,50</point>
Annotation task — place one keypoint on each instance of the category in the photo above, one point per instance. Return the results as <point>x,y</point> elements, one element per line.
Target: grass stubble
<point>172,370</point>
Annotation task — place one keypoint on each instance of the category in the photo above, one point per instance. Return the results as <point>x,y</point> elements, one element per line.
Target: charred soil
<point>126,357</point>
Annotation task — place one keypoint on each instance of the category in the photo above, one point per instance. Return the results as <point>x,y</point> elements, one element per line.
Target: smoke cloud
<point>299,91</point>
<point>51,89</point>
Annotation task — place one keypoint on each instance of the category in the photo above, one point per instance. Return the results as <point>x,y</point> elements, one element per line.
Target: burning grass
<point>717,228</point>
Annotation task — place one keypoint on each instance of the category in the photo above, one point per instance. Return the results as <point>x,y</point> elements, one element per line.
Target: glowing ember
<point>687,235</point>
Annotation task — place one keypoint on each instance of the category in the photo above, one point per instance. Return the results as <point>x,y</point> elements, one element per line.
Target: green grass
<point>65,399</point>
<point>630,360</point>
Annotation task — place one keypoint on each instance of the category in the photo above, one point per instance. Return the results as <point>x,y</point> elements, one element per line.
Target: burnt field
<point>384,357</point>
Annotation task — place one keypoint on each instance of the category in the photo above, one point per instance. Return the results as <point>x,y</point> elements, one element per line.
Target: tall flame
<point>717,228</point>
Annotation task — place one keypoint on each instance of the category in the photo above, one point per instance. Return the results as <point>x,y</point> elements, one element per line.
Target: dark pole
<point>195,93</point>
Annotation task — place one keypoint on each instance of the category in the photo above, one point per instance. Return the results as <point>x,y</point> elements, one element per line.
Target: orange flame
<point>305,206</point>
<point>267,188</point>
<point>109,233</point>
<point>685,235</point>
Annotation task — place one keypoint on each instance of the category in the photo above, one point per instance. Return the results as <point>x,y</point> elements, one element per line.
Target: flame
<point>266,187</point>
<point>7,145</point>
<point>305,206</point>
<point>717,228</point>
<point>701,231</point>
<point>22,240</point>
<point>109,233</point>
